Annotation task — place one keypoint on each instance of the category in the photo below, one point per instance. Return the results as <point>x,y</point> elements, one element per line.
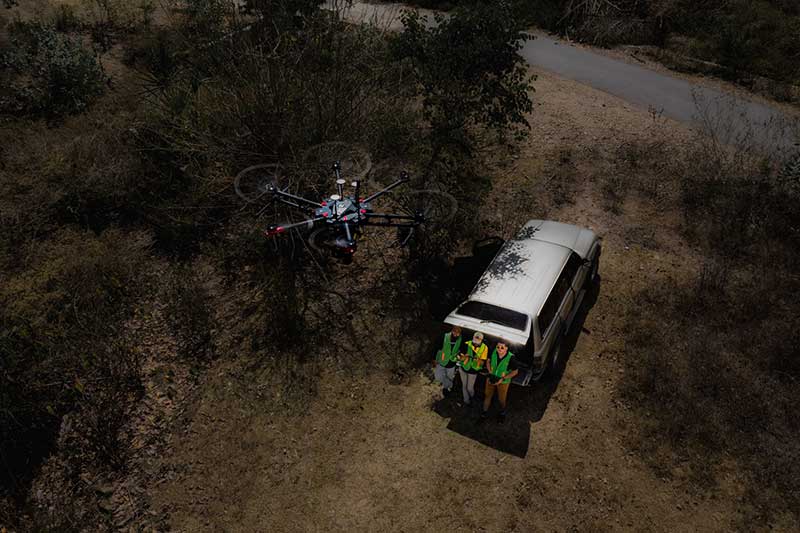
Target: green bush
<point>46,73</point>
<point>468,71</point>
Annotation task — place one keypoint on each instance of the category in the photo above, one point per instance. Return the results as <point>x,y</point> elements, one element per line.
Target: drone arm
<point>403,179</point>
<point>275,229</point>
<point>291,199</point>
<point>387,220</point>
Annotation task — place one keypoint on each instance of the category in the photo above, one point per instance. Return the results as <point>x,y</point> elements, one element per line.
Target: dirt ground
<point>377,454</point>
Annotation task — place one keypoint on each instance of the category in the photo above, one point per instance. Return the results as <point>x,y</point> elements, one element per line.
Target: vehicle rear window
<point>496,315</point>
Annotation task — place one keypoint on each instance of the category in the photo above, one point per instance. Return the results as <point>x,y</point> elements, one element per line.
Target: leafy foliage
<point>47,73</point>
<point>467,69</point>
<point>711,360</point>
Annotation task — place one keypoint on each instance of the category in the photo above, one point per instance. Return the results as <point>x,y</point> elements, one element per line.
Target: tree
<point>468,72</point>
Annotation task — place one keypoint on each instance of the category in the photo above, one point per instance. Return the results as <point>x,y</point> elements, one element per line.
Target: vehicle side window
<point>573,265</point>
<point>551,305</point>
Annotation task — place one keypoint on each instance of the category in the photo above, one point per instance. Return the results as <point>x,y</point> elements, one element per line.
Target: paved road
<point>729,116</point>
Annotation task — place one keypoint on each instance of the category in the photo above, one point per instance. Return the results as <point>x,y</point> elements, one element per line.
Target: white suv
<point>530,293</point>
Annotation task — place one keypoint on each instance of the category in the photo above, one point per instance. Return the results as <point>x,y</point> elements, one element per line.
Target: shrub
<point>62,349</point>
<point>188,312</point>
<point>467,71</point>
<point>712,361</point>
<point>717,374</point>
<point>66,20</point>
<point>474,88</point>
<point>47,73</point>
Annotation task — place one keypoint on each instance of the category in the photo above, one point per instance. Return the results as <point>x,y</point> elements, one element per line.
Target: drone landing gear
<point>326,239</point>
<point>404,235</point>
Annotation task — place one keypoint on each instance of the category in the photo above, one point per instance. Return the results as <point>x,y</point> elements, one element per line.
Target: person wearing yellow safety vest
<point>499,378</point>
<point>472,363</point>
<point>444,366</point>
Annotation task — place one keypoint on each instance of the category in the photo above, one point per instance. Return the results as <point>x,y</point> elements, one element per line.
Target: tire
<point>554,359</point>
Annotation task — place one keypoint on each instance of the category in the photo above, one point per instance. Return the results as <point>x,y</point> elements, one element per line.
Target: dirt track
<point>368,455</point>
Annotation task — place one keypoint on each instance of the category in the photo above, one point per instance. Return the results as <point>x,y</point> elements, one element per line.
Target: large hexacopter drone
<point>336,222</point>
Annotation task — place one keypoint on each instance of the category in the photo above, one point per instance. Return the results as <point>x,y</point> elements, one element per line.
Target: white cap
<point>340,181</point>
<point>335,197</point>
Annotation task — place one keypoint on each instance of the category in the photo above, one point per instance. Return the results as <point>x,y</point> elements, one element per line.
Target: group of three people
<point>471,360</point>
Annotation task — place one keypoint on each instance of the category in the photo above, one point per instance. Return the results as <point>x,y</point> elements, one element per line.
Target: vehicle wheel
<point>555,357</point>
<point>554,363</point>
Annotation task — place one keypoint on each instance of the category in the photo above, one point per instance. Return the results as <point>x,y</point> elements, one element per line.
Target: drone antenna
<point>340,185</point>
<point>357,193</point>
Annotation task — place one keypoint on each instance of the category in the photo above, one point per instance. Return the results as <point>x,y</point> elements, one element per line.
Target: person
<point>444,365</point>
<point>499,379</point>
<point>471,363</point>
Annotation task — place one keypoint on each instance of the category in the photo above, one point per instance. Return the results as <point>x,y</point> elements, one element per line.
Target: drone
<point>337,222</point>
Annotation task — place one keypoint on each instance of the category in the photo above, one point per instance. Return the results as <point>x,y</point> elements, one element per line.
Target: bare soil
<point>383,453</point>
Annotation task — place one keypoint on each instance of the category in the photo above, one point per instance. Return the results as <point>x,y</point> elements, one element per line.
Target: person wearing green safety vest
<point>499,379</point>
<point>471,363</point>
<point>444,366</point>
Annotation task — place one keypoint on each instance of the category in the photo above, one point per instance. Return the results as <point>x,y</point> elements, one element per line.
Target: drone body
<point>336,222</point>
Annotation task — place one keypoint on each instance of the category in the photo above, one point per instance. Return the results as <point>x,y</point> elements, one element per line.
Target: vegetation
<point>117,209</point>
<point>127,214</point>
<point>711,363</point>
<point>47,73</point>
<point>62,350</point>
<point>742,40</point>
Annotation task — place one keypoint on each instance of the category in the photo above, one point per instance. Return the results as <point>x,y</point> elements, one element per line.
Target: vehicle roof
<point>524,271</point>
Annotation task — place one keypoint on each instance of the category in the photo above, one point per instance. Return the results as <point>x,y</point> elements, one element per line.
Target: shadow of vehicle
<point>527,405</point>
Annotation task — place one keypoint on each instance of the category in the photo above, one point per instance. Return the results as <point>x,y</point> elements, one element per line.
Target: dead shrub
<point>189,313</point>
<point>60,322</point>
<point>714,370</point>
<point>707,373</point>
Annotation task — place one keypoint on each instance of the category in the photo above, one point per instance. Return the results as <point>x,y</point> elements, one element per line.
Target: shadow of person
<point>526,405</point>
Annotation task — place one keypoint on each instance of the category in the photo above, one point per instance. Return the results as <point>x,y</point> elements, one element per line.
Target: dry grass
<point>710,361</point>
